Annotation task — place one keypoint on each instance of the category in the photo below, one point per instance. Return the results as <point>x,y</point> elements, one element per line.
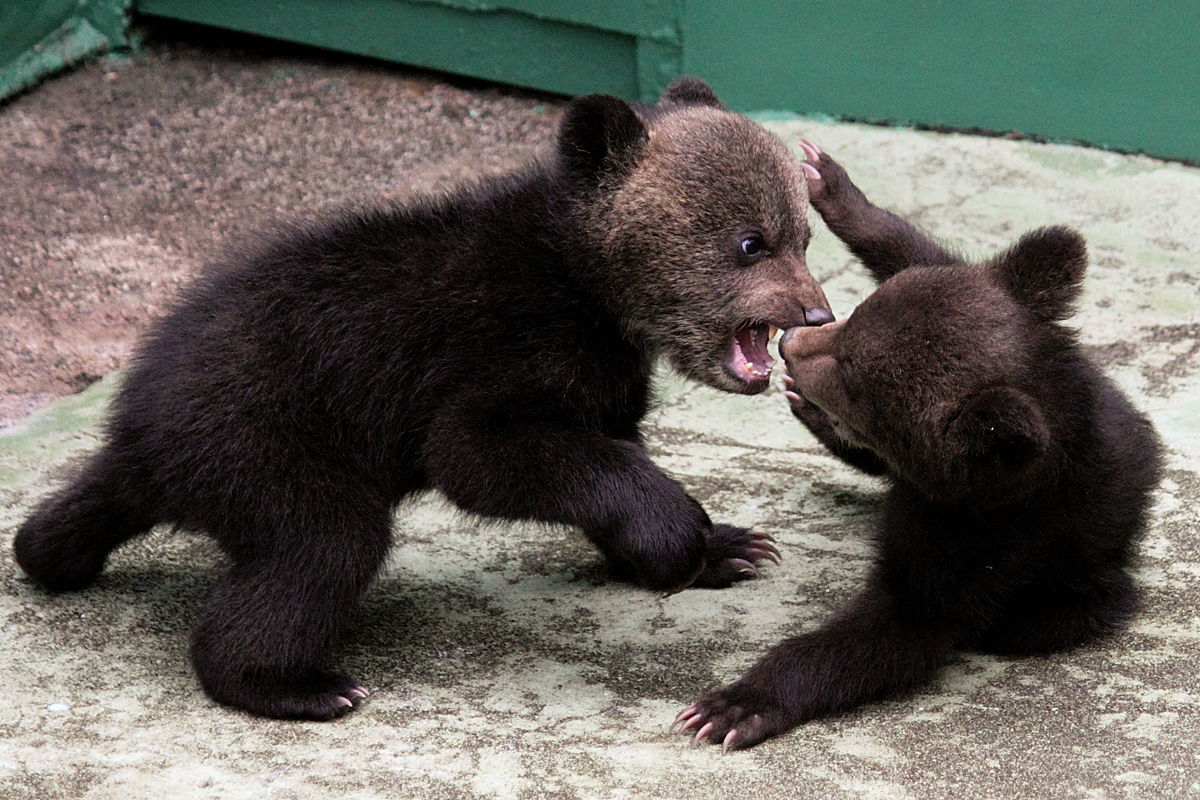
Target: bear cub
<point>495,344</point>
<point>1019,476</point>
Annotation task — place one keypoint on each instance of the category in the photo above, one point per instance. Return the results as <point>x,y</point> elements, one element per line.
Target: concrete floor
<point>503,665</point>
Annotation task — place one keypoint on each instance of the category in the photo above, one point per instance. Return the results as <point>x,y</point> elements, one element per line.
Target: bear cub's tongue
<point>750,360</point>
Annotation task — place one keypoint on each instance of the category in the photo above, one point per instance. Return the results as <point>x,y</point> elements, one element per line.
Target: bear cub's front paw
<point>828,184</point>
<point>733,555</point>
<point>738,716</point>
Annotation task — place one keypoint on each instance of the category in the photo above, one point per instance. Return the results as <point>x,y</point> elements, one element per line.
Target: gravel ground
<point>502,664</point>
<point>125,174</point>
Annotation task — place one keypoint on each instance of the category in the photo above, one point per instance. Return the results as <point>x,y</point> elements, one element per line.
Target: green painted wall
<point>565,47</point>
<point>1117,73</point>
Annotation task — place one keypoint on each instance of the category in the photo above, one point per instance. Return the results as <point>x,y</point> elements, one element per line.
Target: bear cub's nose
<point>808,341</point>
<point>817,316</point>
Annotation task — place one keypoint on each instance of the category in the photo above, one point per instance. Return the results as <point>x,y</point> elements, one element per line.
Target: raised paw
<point>812,156</point>
<point>822,427</point>
<point>735,717</point>
<point>733,555</point>
<point>794,398</point>
<point>830,189</point>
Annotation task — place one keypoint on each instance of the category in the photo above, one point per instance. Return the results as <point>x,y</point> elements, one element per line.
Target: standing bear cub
<point>1020,477</point>
<point>495,344</point>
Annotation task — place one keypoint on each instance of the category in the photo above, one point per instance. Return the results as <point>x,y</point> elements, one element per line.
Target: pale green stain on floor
<point>504,665</point>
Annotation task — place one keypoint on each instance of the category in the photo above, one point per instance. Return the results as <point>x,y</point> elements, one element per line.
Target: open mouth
<point>749,360</point>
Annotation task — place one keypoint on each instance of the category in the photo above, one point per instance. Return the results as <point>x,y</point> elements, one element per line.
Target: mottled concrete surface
<point>504,665</point>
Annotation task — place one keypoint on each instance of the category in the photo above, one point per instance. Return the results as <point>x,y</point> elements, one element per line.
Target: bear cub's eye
<point>751,245</point>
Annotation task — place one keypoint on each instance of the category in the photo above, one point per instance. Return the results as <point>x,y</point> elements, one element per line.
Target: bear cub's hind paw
<point>319,696</point>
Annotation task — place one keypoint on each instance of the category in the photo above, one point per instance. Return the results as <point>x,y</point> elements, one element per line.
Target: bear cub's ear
<point>600,136</point>
<point>1044,270</point>
<point>1001,424</point>
<point>690,91</point>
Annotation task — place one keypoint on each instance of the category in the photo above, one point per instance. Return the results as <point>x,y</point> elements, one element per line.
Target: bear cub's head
<point>700,217</point>
<point>953,375</point>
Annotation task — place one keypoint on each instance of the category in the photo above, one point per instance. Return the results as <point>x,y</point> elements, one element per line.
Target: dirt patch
<point>126,174</point>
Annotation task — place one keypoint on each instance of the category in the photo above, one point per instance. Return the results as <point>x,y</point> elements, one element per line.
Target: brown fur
<point>496,344</point>
<point>1020,478</point>
<point>690,189</point>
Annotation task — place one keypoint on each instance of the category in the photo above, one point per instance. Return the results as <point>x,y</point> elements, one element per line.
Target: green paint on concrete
<point>55,433</point>
<point>1076,162</point>
<point>40,38</point>
<point>504,664</point>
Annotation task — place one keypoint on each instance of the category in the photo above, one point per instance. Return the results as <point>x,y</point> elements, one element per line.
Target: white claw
<point>729,737</point>
<point>700,734</point>
<point>743,566</point>
<point>686,719</point>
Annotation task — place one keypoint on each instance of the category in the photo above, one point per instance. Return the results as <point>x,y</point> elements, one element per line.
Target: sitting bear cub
<point>1020,477</point>
<point>495,344</point>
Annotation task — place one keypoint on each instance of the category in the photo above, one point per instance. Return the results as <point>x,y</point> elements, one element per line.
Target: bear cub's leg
<point>266,626</point>
<point>873,648</point>
<point>882,241</point>
<point>647,526</point>
<point>66,541</point>
<point>990,537</point>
